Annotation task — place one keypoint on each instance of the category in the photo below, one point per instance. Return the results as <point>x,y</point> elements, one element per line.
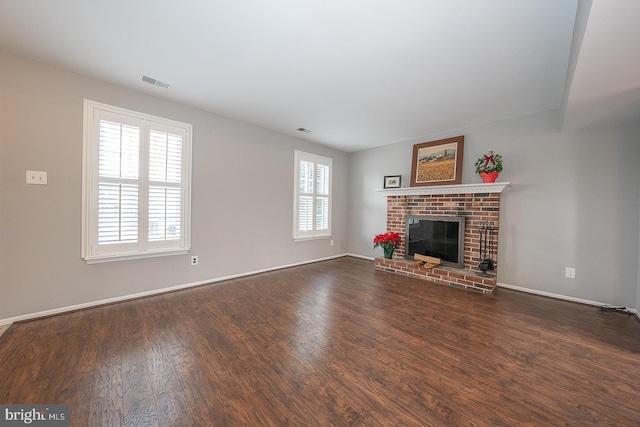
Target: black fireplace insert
<point>437,236</point>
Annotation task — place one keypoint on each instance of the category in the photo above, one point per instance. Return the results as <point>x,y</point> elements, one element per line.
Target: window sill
<point>136,255</point>
<point>302,239</point>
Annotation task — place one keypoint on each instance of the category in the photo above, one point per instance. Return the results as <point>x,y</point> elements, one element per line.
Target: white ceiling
<point>605,89</point>
<point>357,73</point>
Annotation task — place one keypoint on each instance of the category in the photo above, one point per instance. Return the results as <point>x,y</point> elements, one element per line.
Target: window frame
<point>91,251</point>
<point>299,235</point>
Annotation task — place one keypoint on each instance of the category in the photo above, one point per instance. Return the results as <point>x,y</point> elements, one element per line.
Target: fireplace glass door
<point>436,236</point>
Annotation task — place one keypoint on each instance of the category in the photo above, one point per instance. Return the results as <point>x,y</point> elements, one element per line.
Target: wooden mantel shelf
<point>493,187</point>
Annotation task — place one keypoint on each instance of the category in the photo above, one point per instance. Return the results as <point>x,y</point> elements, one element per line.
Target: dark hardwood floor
<point>330,343</point>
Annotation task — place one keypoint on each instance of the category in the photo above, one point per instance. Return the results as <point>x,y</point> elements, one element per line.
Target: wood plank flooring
<point>330,343</point>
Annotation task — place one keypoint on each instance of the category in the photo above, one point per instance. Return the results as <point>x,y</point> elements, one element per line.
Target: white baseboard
<point>533,291</point>
<point>369,258</point>
<point>60,310</point>
<point>558,296</point>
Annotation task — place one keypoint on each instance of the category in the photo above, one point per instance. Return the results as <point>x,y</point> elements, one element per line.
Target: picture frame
<point>437,162</point>
<point>392,181</point>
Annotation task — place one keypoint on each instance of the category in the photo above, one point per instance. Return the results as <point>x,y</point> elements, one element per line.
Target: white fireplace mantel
<point>493,187</point>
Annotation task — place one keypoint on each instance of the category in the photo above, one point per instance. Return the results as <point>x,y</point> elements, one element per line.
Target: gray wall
<point>242,196</point>
<point>574,199</point>
<point>574,202</point>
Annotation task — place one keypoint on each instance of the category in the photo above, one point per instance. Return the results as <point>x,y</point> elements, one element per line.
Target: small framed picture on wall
<point>392,181</point>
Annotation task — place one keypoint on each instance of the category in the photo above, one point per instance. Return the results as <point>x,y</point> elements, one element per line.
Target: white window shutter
<point>312,196</point>
<point>118,170</point>
<point>165,178</point>
<point>136,184</point>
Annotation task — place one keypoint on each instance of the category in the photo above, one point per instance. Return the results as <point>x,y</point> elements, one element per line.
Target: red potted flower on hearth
<point>388,241</point>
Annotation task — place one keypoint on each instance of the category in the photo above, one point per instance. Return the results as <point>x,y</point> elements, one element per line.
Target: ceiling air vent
<point>155,82</point>
<point>304,130</point>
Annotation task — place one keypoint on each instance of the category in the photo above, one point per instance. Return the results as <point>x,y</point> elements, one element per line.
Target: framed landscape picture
<point>437,162</point>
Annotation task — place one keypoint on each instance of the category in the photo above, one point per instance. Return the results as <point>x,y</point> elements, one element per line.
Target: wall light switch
<point>37,177</point>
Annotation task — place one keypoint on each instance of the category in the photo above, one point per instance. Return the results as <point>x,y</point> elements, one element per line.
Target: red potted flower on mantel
<point>489,166</point>
<point>388,241</point>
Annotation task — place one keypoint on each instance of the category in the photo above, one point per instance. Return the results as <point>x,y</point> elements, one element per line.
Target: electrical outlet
<point>570,272</point>
<point>194,260</point>
<point>37,177</point>
<point>331,243</point>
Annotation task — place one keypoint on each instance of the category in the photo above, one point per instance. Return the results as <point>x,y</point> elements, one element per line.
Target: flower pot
<point>388,253</point>
<point>489,176</point>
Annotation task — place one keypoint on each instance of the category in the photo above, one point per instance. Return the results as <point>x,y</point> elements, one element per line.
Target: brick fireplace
<point>475,202</point>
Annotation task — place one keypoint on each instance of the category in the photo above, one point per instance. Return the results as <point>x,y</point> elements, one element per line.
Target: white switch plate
<point>37,177</point>
<point>570,272</point>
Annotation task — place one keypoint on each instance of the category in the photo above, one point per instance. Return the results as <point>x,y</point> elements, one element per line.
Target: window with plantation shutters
<point>312,196</point>
<point>165,178</point>
<point>136,184</point>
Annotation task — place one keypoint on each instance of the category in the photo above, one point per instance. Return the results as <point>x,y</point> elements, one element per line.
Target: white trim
<point>493,187</point>
<point>302,239</point>
<point>535,292</point>
<point>135,255</point>
<point>550,295</point>
<point>563,297</point>
<point>61,310</point>
<point>368,258</point>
